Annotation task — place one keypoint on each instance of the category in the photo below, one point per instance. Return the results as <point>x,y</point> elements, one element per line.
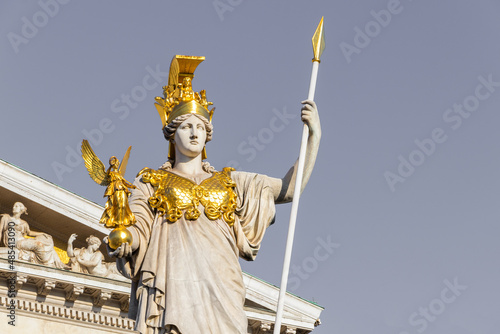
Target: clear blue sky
<point>406,188</point>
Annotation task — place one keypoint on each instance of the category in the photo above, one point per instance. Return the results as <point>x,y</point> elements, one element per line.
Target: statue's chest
<point>19,228</point>
<point>18,225</point>
<point>85,255</point>
<point>176,196</point>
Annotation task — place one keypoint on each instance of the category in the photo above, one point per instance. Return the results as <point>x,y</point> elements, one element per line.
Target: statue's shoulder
<point>225,176</point>
<point>228,170</point>
<point>146,170</point>
<point>150,175</point>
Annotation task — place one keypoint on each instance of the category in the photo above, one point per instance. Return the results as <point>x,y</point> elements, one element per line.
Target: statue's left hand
<point>310,116</point>
<point>125,250</point>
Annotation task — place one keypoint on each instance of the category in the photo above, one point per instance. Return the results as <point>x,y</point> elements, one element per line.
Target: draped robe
<point>39,249</point>
<point>186,273</point>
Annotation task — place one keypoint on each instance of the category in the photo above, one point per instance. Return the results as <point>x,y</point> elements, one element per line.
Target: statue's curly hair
<point>93,240</point>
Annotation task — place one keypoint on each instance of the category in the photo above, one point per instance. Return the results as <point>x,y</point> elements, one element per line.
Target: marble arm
<point>34,234</point>
<point>283,188</point>
<point>91,263</point>
<point>69,249</point>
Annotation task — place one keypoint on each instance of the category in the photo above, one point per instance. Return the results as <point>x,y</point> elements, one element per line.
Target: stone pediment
<point>52,209</point>
<point>82,301</point>
<point>261,302</point>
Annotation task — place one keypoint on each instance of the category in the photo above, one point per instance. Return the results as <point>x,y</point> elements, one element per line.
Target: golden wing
<point>123,165</point>
<point>94,165</point>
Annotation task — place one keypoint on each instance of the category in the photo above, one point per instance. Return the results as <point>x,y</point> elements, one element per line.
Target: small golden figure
<point>117,213</point>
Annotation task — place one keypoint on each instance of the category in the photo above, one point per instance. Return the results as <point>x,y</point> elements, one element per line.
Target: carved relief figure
<point>90,260</point>
<point>38,249</point>
<point>193,223</point>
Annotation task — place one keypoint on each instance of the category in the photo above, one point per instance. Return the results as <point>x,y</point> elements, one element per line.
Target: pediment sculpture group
<point>38,247</point>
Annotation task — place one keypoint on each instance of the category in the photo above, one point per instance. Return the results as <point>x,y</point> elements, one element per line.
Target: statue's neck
<point>189,166</point>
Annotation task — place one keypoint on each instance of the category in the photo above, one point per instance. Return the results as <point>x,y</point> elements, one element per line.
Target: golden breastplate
<point>175,194</point>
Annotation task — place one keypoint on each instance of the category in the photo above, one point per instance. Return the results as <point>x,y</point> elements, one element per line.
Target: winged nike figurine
<point>117,212</point>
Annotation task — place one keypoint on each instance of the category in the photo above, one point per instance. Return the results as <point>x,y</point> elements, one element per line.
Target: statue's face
<point>190,137</point>
<point>113,161</point>
<point>93,247</point>
<point>18,208</point>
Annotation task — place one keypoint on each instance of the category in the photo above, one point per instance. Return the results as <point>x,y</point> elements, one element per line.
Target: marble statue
<point>193,222</point>
<point>37,249</point>
<point>90,260</point>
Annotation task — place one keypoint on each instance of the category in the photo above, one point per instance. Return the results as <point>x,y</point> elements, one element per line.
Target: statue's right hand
<point>125,250</point>
<point>72,238</point>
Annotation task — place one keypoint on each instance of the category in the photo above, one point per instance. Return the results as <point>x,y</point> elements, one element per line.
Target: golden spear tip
<point>318,41</point>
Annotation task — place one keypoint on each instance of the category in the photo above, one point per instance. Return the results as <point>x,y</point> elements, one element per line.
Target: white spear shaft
<point>318,46</point>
